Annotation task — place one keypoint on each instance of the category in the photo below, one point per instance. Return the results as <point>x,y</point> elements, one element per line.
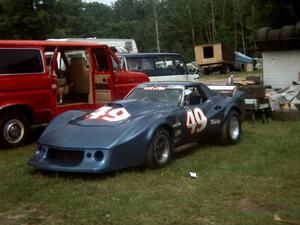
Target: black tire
<point>274,34</point>
<point>231,131</point>
<point>14,128</point>
<point>262,34</point>
<point>297,30</point>
<point>160,151</point>
<point>287,31</point>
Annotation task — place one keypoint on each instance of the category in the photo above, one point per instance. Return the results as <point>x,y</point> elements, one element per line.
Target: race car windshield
<point>166,96</point>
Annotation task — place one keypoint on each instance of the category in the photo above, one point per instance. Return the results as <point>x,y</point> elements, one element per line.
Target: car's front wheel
<point>160,151</point>
<point>231,131</point>
<point>14,129</point>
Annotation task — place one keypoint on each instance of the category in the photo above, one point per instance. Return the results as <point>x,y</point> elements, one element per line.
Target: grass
<point>242,184</point>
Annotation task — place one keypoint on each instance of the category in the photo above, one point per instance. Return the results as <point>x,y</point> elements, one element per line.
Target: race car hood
<point>103,129</point>
<point>114,114</point>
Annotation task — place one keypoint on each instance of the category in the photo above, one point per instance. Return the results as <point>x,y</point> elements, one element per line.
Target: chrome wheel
<point>14,128</point>
<point>162,149</point>
<point>234,128</point>
<point>13,131</point>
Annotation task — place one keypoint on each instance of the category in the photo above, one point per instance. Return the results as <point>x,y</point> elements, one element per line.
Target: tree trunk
<point>156,26</point>
<point>213,25</point>
<point>191,21</point>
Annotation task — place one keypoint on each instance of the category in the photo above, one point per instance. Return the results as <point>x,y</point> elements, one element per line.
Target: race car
<point>154,121</point>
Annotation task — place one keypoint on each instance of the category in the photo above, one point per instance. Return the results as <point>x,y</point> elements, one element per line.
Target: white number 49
<point>196,120</point>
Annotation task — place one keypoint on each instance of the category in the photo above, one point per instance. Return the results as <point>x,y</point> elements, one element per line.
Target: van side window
<point>21,61</point>
<point>101,59</point>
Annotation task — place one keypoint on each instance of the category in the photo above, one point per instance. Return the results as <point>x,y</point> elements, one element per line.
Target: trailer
<point>214,57</point>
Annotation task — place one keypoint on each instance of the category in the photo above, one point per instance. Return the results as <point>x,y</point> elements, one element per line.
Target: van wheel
<point>14,128</point>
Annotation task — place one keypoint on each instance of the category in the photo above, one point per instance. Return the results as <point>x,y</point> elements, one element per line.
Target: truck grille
<point>64,158</point>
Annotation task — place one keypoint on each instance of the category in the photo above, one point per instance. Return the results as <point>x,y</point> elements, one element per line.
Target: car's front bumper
<point>70,160</point>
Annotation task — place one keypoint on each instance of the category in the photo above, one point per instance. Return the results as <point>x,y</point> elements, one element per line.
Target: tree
<point>26,19</point>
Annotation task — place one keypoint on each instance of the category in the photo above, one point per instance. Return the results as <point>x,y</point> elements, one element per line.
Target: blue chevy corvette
<point>154,121</point>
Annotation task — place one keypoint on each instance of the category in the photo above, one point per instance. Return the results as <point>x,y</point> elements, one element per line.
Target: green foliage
<point>181,24</point>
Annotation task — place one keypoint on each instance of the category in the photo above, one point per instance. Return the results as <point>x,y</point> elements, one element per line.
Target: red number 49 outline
<point>109,114</point>
<point>196,120</point>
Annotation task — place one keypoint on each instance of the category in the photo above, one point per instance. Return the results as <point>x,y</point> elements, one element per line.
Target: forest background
<point>156,25</point>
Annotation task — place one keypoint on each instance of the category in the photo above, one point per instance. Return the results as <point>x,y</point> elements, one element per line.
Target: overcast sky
<point>106,2</point>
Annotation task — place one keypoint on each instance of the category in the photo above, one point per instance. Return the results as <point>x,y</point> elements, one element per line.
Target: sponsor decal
<point>196,120</point>
<point>109,114</point>
<point>215,121</point>
<point>154,88</point>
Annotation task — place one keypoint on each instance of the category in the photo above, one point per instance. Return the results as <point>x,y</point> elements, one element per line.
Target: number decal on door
<point>196,120</point>
<point>109,114</point>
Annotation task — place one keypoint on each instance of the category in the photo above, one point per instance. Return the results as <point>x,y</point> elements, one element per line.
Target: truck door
<point>124,81</point>
<point>112,82</point>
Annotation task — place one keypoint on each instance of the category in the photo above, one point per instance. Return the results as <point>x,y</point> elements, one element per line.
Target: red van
<point>40,79</point>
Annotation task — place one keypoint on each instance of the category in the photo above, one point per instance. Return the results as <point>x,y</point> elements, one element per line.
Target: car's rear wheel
<point>231,131</point>
<point>14,128</point>
<point>160,151</point>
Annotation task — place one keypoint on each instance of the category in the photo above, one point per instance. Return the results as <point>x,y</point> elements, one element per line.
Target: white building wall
<point>281,68</point>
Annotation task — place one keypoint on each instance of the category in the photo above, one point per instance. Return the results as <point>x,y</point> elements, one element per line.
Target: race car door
<point>201,113</point>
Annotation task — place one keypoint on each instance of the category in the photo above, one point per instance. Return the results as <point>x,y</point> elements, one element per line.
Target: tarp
<point>241,58</point>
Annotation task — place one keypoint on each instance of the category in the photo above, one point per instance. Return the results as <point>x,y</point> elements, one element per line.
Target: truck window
<point>101,59</point>
<point>21,61</point>
<point>166,65</point>
<point>139,63</point>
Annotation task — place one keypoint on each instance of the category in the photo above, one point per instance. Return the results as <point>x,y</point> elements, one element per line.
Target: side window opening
<point>193,96</point>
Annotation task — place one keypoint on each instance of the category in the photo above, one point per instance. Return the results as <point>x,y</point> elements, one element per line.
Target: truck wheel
<point>231,131</point>
<point>225,69</point>
<point>14,128</point>
<point>160,150</point>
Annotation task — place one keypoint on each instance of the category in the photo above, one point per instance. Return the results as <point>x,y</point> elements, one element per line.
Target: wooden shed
<point>210,56</point>
<point>281,55</point>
